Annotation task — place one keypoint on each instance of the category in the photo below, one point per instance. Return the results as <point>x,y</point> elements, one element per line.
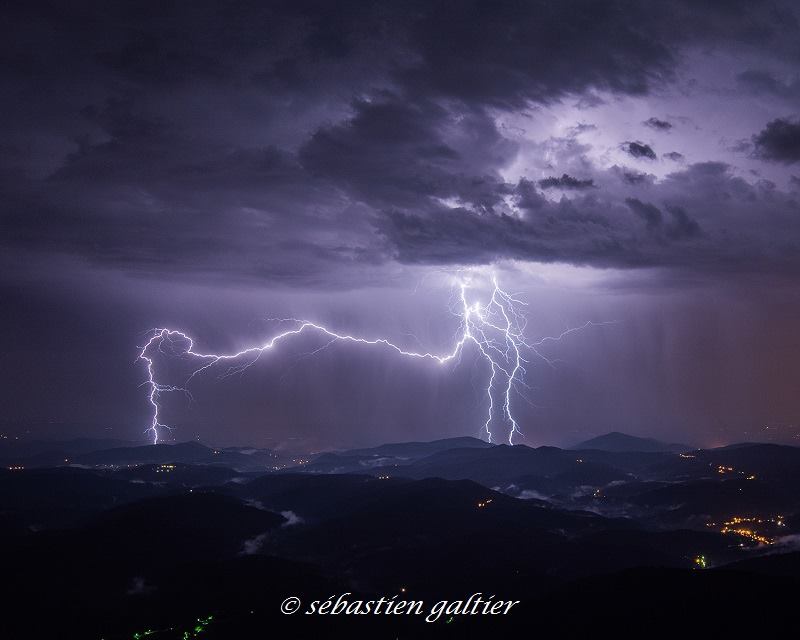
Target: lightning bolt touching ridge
<point>496,328</point>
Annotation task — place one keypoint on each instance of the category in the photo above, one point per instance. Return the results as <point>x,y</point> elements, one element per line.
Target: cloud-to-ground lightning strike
<point>496,328</point>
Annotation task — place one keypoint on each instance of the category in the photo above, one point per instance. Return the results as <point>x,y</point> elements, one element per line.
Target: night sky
<point>207,166</point>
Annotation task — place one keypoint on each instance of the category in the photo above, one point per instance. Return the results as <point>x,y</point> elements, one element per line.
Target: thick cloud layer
<point>291,141</point>
<point>779,141</point>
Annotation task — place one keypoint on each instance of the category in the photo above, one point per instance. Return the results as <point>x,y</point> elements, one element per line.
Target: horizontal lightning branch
<point>496,328</point>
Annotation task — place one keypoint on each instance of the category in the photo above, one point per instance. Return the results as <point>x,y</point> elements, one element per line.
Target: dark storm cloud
<point>683,226</point>
<point>638,150</point>
<point>272,140</point>
<point>204,208</point>
<point>528,198</point>
<point>505,54</point>
<point>263,140</point>
<point>702,204</point>
<point>434,154</point>
<point>779,141</point>
<point>674,156</point>
<point>760,81</point>
<point>658,125</point>
<point>635,177</point>
<point>651,214</point>
<point>566,182</point>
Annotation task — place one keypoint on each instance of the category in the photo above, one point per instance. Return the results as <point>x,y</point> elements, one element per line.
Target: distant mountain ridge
<point>622,442</point>
<point>390,455</point>
<point>143,454</point>
<point>419,449</point>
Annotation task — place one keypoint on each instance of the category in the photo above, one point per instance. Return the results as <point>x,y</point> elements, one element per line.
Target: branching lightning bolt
<point>496,328</point>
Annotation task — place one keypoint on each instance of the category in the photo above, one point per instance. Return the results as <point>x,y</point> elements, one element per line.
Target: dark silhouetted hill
<point>622,442</point>
<point>388,455</point>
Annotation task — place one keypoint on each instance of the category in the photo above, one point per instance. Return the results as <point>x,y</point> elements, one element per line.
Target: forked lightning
<point>496,328</point>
